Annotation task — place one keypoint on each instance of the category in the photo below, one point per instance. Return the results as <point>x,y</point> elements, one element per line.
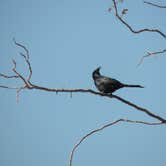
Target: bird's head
<point>96,73</point>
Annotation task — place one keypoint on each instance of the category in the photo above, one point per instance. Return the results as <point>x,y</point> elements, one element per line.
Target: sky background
<point>67,40</point>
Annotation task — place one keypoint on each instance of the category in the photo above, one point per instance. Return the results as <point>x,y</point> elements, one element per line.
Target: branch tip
<point>155,5</point>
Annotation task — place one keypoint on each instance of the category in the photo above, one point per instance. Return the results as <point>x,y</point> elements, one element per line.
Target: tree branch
<point>101,94</point>
<point>23,47</point>
<point>102,128</point>
<point>131,29</point>
<point>8,76</point>
<point>153,4</point>
<point>28,85</point>
<point>32,86</point>
<point>8,87</point>
<point>26,57</point>
<point>150,54</point>
<point>139,108</point>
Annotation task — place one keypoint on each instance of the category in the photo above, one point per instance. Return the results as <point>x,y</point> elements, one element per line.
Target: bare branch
<point>22,46</point>
<point>26,81</point>
<point>117,1</point>
<point>131,29</point>
<point>8,87</point>
<point>18,74</point>
<point>153,4</point>
<point>7,76</point>
<point>26,57</point>
<point>139,108</point>
<point>104,127</point>
<point>32,86</point>
<point>29,85</point>
<point>18,93</point>
<point>150,54</point>
<point>29,66</point>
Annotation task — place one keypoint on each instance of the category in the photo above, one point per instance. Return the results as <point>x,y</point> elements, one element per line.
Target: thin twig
<point>18,93</point>
<point>117,1</point>
<point>150,54</point>
<point>8,76</point>
<point>153,4</point>
<point>22,46</point>
<point>131,29</point>
<point>26,57</point>
<point>104,127</point>
<point>8,87</point>
<point>18,74</point>
<point>29,66</point>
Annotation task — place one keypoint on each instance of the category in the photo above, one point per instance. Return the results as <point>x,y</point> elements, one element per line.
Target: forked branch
<point>133,30</point>
<point>27,84</point>
<point>120,18</point>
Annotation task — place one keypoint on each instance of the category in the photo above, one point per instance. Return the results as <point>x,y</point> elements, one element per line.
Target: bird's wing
<point>110,81</point>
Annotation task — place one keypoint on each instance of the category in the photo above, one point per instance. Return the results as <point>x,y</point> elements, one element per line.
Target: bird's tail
<point>133,86</point>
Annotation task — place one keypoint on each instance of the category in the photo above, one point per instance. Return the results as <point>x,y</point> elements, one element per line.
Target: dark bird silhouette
<point>108,85</point>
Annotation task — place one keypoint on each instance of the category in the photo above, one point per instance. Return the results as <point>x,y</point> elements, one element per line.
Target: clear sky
<point>67,40</point>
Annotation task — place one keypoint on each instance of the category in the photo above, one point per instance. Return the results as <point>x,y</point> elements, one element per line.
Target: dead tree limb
<point>133,30</point>
<point>120,18</point>
<point>27,84</point>
<point>102,128</point>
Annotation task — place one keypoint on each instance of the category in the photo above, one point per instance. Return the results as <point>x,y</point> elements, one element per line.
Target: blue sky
<point>67,40</point>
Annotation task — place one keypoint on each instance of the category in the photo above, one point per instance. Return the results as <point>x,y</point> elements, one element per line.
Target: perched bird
<point>108,85</point>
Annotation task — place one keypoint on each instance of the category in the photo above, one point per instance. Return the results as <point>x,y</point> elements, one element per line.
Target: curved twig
<point>104,127</point>
<point>23,47</point>
<point>150,54</point>
<point>131,29</point>
<point>8,76</point>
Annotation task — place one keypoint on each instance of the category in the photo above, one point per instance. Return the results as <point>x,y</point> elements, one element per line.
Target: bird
<point>108,85</point>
